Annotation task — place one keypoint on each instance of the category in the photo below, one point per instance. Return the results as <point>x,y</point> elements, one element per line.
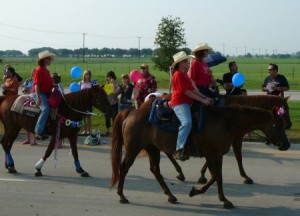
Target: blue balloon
<point>74,87</point>
<point>238,80</point>
<point>76,72</point>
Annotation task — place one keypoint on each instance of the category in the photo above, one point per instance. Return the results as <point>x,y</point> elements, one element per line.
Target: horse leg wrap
<point>9,161</point>
<point>77,165</point>
<point>39,164</point>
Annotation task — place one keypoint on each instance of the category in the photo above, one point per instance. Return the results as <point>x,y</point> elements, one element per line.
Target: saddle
<point>163,116</point>
<point>25,105</point>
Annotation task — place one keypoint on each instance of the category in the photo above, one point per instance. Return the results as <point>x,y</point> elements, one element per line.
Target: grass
<point>255,71</point>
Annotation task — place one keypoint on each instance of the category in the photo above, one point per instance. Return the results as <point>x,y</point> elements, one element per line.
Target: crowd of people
<point>192,80</point>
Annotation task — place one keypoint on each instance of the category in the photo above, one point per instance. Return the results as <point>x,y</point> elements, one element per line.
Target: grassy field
<point>255,70</point>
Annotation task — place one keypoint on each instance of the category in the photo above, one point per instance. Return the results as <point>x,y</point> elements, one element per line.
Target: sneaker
<point>41,136</point>
<point>179,155</point>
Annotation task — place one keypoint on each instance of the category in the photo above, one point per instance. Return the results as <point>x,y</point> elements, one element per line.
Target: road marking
<point>13,180</point>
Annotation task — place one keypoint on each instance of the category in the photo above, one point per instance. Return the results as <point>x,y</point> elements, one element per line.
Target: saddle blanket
<point>165,118</point>
<point>25,105</point>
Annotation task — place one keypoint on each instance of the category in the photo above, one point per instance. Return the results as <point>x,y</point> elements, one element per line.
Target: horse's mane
<point>262,101</point>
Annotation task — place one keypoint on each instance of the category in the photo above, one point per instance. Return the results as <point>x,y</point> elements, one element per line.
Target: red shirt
<point>200,73</point>
<point>145,85</point>
<point>42,77</point>
<point>180,83</point>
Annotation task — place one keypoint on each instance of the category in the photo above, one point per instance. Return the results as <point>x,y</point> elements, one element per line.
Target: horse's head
<point>276,130</point>
<point>100,100</point>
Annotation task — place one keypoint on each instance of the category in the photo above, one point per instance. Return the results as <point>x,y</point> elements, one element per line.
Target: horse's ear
<point>287,98</point>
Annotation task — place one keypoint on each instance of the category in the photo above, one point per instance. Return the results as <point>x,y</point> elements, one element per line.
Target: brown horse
<point>70,115</point>
<point>266,102</point>
<point>132,130</point>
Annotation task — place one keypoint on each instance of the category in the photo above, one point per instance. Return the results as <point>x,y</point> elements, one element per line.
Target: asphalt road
<point>61,191</point>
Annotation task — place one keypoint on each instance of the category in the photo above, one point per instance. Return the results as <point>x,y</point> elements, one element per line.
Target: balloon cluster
<point>75,73</point>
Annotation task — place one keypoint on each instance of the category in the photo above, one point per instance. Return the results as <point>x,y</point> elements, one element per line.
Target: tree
<point>169,40</point>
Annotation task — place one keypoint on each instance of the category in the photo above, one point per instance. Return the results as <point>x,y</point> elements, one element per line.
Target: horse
<point>132,130</point>
<point>67,123</point>
<point>266,102</point>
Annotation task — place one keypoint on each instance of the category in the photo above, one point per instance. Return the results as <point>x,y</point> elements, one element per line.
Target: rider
<point>42,87</point>
<point>183,95</point>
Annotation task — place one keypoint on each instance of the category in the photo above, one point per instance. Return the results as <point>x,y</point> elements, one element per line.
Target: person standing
<point>227,80</point>
<point>27,89</point>
<point>125,90</point>
<point>275,83</point>
<point>42,87</point>
<point>183,95</point>
<point>145,85</point>
<point>112,95</point>
<point>84,84</point>
<point>199,73</point>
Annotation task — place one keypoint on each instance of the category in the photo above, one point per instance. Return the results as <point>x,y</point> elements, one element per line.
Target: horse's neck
<point>249,119</point>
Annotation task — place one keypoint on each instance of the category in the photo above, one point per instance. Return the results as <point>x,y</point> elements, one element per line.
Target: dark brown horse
<point>70,115</point>
<point>266,102</point>
<point>132,130</point>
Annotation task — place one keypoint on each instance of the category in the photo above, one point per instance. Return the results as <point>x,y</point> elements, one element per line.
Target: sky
<point>233,27</point>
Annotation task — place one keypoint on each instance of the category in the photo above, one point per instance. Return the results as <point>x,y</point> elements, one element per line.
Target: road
<point>62,192</point>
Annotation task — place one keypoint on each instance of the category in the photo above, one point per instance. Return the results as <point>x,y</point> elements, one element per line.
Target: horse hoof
<point>180,177</point>
<point>84,174</point>
<point>248,181</point>
<point>124,201</point>
<point>228,205</point>
<point>202,180</point>
<point>172,200</point>
<point>193,192</point>
<point>38,173</point>
<point>12,170</point>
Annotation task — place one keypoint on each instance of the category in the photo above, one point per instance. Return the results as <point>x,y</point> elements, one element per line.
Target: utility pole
<point>83,41</point>
<point>139,44</point>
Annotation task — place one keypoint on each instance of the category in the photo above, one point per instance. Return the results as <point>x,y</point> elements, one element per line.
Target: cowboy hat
<point>180,56</point>
<point>143,66</point>
<point>201,46</point>
<point>45,54</point>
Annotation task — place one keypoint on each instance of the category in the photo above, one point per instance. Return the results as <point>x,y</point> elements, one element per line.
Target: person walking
<point>27,89</point>
<point>42,87</point>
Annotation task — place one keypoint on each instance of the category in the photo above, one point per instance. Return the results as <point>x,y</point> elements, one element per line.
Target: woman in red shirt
<point>183,95</point>
<point>199,72</point>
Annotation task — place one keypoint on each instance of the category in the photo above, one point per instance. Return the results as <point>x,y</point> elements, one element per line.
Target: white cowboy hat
<point>45,54</point>
<point>201,46</point>
<point>180,56</point>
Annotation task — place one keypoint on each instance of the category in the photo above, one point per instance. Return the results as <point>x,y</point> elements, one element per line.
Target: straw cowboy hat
<point>201,46</point>
<point>180,56</point>
<point>45,54</point>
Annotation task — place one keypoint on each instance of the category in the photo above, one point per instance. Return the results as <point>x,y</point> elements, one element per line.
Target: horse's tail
<point>116,145</point>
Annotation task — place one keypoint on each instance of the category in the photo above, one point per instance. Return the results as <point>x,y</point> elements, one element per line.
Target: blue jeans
<point>183,113</point>
<point>45,110</point>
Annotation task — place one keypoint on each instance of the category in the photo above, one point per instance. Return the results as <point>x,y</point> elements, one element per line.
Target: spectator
<point>183,95</point>
<point>145,85</point>
<point>11,83</point>
<point>227,81</point>
<point>26,89</point>
<point>19,78</point>
<point>275,83</point>
<point>112,89</point>
<point>42,87</point>
<point>84,84</point>
<point>125,90</point>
